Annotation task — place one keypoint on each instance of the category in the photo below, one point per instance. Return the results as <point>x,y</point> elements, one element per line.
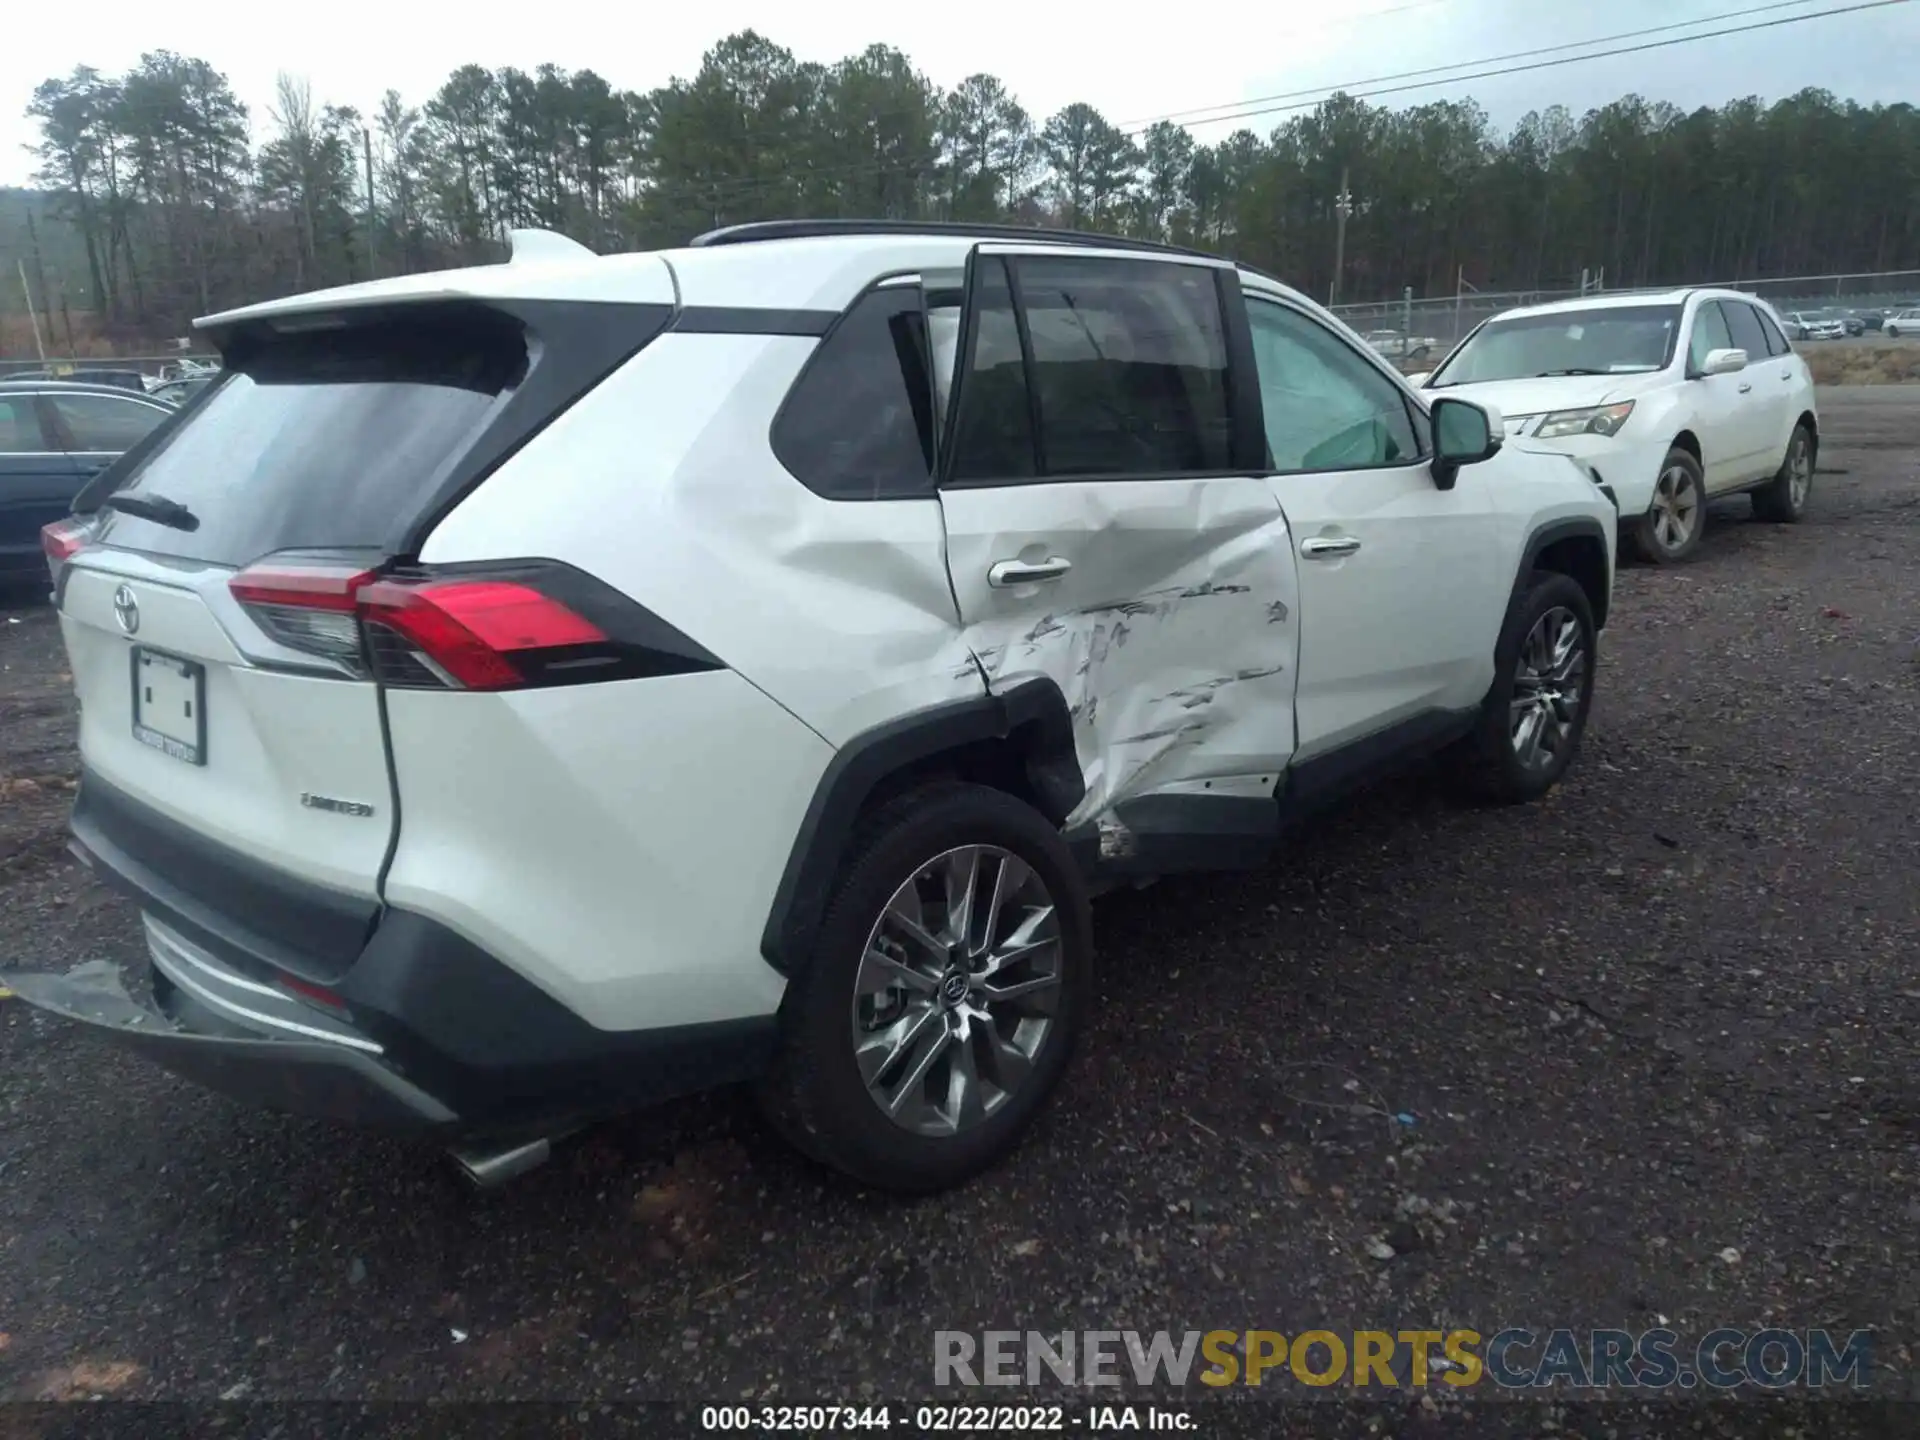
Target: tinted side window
<point>993,433</point>
<point>1776,342</point>
<point>858,424</point>
<point>1744,322</point>
<point>20,427</point>
<point>1710,333</point>
<point>1326,407</point>
<point>101,423</point>
<point>1129,366</point>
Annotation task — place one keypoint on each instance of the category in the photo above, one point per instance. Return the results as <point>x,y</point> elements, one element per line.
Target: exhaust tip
<point>490,1169</point>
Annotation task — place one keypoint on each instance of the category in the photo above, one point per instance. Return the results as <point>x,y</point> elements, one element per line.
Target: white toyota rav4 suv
<point>517,694</point>
<point>1676,399</point>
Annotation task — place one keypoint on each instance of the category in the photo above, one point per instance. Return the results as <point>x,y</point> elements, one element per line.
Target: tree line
<point>171,210</point>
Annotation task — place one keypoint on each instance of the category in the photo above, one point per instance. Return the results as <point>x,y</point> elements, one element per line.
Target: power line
<point>1199,115</point>
<point>742,187</point>
<point>1259,110</point>
<point>1341,23</point>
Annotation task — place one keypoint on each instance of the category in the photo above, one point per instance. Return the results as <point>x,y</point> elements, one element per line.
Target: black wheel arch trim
<point>1572,527</point>
<point>1035,709</point>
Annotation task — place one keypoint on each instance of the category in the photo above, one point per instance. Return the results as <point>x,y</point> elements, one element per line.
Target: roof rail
<point>812,229</point>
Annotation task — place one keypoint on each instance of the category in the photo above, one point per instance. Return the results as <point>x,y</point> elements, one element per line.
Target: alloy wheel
<point>1676,508</point>
<point>1549,687</point>
<point>957,990</point>
<point>1799,470</point>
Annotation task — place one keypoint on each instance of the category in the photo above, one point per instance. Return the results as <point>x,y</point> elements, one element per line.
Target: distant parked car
<point>1873,319</point>
<point>1397,345</point>
<point>1811,325</point>
<point>1672,399</point>
<point>1852,322</point>
<point>55,435</point>
<point>1903,322</point>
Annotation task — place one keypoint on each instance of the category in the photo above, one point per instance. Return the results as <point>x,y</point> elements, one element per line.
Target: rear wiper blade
<point>156,508</point>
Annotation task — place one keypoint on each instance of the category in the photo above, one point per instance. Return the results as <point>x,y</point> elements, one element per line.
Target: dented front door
<point>1162,605</point>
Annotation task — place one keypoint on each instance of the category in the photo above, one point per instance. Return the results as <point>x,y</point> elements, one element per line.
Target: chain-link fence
<point>1433,323</point>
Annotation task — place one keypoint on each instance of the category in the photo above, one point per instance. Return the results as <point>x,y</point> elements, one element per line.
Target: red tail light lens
<point>61,540</point>
<point>471,629</point>
<point>529,623</point>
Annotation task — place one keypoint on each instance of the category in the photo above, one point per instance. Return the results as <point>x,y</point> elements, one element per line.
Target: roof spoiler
<point>526,245</point>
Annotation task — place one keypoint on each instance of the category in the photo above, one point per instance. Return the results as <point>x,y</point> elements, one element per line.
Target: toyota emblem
<point>126,609</point>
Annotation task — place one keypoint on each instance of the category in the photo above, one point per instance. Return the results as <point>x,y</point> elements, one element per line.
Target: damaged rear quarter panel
<point>1173,637</point>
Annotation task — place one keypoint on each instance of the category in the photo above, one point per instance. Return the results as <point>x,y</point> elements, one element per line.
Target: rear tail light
<point>504,627</point>
<point>62,540</point>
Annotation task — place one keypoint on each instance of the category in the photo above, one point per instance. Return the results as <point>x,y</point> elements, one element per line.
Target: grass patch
<point>1887,362</point>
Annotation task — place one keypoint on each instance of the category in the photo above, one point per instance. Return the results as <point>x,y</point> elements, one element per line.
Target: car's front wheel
<point>1532,719</point>
<point>1674,522</point>
<point>940,1004</point>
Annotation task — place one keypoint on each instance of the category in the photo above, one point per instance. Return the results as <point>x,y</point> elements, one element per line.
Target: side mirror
<point>1417,378</point>
<point>1724,362</point>
<point>1463,434</point>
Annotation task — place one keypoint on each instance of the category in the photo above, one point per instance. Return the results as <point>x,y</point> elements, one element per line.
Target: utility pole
<point>33,316</point>
<point>366,146</point>
<point>1342,208</point>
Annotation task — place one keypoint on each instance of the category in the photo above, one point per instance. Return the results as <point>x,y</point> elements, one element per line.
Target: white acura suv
<point>1676,399</point>
<point>517,694</point>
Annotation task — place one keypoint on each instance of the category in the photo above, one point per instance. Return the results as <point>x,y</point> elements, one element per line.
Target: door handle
<point>1008,573</point>
<point>1328,547</point>
<point>1745,387</point>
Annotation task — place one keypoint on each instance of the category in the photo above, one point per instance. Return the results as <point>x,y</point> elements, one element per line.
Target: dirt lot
<point>1670,1013</point>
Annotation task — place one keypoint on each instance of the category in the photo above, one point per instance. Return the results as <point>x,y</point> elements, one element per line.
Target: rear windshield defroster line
<point>359,430</point>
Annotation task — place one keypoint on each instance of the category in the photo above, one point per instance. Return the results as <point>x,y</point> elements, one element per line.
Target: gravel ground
<point>1671,1012</point>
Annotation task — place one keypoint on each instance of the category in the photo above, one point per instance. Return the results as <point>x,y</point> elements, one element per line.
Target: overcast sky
<point>1158,60</point>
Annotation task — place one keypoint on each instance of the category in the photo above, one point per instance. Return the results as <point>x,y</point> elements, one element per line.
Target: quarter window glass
<point>859,422</point>
<point>1326,407</point>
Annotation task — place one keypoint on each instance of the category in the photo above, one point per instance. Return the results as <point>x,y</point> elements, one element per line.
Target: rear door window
<point>323,440</point>
<point>1744,323</point>
<point>102,424</point>
<point>1129,366</point>
<point>1083,367</point>
<point>1776,339</point>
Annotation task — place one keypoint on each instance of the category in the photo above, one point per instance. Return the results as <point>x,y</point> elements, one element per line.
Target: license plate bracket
<point>170,704</point>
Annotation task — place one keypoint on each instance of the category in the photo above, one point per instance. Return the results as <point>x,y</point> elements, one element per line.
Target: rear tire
<point>1783,499</point>
<point>1531,722</point>
<point>1670,531</point>
<point>921,1035</point>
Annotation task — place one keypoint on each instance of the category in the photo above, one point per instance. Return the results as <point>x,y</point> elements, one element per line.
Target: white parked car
<point>1675,398</point>
<point>1902,322</point>
<point>1806,325</point>
<point>564,684</point>
<point>1398,345</point>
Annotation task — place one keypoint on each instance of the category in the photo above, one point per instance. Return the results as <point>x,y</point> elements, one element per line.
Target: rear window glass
<point>323,440</point>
